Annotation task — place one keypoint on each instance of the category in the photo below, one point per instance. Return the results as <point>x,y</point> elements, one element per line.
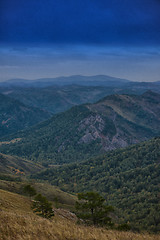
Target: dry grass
<point>50,192</point>
<point>65,200</point>
<point>14,203</point>
<point>17,222</point>
<point>28,227</point>
<point>17,166</point>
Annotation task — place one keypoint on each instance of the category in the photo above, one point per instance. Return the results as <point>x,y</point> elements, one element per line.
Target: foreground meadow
<point>18,222</point>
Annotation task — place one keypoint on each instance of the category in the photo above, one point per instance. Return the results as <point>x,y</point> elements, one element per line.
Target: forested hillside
<point>129,179</point>
<point>87,130</point>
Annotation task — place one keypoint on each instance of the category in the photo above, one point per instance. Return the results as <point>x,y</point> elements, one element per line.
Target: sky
<point>50,38</point>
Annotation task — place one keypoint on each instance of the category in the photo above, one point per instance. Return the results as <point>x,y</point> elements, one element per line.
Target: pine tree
<point>42,207</point>
<point>92,208</point>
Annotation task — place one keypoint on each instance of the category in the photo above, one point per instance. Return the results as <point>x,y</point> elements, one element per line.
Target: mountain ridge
<point>90,129</point>
<point>62,80</point>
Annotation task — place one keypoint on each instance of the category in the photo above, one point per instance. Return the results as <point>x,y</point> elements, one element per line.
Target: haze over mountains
<point>14,115</point>
<point>99,80</point>
<point>58,98</point>
<point>59,94</point>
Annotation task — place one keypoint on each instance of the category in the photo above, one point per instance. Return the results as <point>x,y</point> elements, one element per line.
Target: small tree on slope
<point>42,207</point>
<point>92,208</point>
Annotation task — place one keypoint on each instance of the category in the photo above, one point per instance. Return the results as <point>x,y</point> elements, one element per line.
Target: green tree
<point>29,190</point>
<point>92,208</point>
<point>42,207</point>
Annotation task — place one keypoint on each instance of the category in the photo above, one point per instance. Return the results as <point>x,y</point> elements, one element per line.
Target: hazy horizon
<point>59,38</point>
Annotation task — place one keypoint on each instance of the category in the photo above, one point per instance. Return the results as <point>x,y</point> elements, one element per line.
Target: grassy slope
<point>17,166</point>
<point>64,199</point>
<point>18,222</point>
<point>14,173</point>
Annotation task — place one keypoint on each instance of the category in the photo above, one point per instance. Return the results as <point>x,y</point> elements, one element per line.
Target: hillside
<point>52,193</point>
<point>17,166</point>
<point>15,116</point>
<point>18,222</point>
<point>57,99</point>
<point>88,130</point>
<point>129,179</point>
<point>14,175</point>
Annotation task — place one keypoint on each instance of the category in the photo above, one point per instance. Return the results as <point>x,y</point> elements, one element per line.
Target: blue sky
<point>49,38</point>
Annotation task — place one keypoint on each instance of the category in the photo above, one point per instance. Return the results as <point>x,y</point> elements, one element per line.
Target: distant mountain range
<point>59,94</point>
<point>98,80</point>
<point>87,130</point>
<point>15,116</point>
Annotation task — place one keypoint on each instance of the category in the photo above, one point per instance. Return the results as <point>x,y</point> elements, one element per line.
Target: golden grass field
<point>17,222</point>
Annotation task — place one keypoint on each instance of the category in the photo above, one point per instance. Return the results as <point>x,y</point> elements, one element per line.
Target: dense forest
<point>128,178</point>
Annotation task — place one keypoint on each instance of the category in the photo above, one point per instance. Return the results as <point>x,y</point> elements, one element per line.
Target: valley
<point>88,130</point>
<point>69,139</point>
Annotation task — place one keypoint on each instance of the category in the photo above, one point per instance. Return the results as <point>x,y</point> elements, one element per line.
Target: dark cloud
<point>80,22</point>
